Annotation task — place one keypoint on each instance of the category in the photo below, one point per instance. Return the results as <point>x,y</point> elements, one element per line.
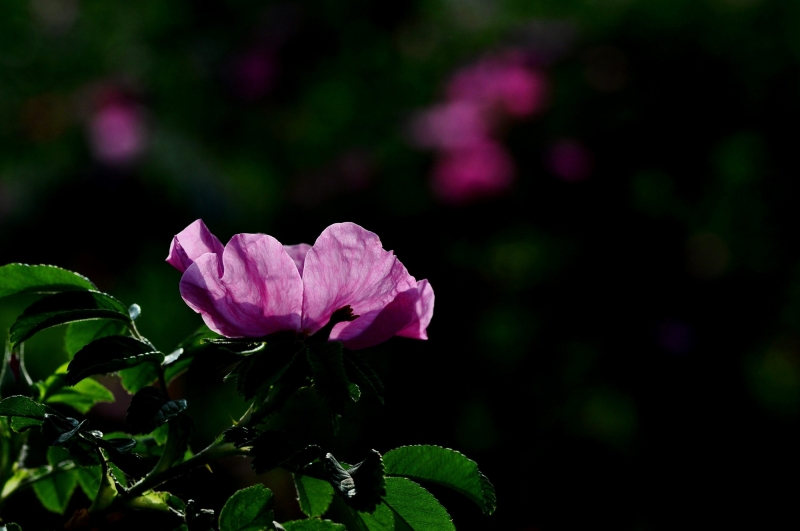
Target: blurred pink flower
<point>117,132</point>
<point>570,160</point>
<point>254,286</point>
<point>502,81</point>
<point>450,125</point>
<point>461,175</point>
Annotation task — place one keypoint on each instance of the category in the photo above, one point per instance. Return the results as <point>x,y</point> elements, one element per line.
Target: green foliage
<point>314,495</point>
<point>136,378</point>
<point>22,278</point>
<point>10,527</point>
<point>312,524</point>
<point>249,509</point>
<point>414,507</point>
<point>330,379</point>
<point>109,354</point>
<point>150,408</point>
<point>81,333</point>
<point>22,406</point>
<point>81,397</point>
<point>382,519</point>
<point>264,368</point>
<point>56,486</point>
<point>54,491</point>
<point>57,430</point>
<point>364,497</point>
<point>362,375</point>
<point>445,467</point>
<point>63,308</point>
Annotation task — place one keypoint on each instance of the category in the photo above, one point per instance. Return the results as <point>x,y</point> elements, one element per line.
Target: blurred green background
<point>616,338</point>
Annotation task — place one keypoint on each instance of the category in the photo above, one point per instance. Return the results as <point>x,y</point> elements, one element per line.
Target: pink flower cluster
<point>254,286</point>
<point>464,129</point>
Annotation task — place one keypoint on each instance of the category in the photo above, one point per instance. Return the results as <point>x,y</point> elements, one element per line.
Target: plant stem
<point>216,450</point>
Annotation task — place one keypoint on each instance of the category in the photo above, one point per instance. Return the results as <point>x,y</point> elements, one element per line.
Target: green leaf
<point>81,333</point>
<point>137,378</point>
<point>54,491</point>
<point>177,444</point>
<point>63,308</point>
<point>20,424</point>
<point>89,479</point>
<point>381,519</point>
<point>359,372</point>
<point>249,509</point>
<point>22,406</point>
<point>444,467</point>
<point>312,524</point>
<point>264,368</point>
<point>109,354</point>
<point>23,278</point>
<point>81,397</point>
<point>314,495</point>
<point>10,527</point>
<point>150,408</point>
<point>414,507</point>
<point>330,378</point>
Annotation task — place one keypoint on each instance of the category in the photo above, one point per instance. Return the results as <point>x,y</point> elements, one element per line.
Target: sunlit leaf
<point>314,495</point>
<point>312,524</point>
<point>249,509</point>
<point>414,507</point>
<point>445,467</point>
<point>55,490</point>
<point>81,397</point>
<point>23,278</point>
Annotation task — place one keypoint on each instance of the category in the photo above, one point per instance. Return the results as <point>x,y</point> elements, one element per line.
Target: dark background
<point>617,344</point>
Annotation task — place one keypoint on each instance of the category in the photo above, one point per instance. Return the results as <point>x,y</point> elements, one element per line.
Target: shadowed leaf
<point>109,354</point>
<point>63,308</point>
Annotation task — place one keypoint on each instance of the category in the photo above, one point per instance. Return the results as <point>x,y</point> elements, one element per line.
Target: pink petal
<point>348,265</point>
<point>423,312</point>
<point>298,254</point>
<point>259,292</point>
<point>190,244</point>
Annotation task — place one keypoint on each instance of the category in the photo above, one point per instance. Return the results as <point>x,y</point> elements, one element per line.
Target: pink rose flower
<point>254,286</point>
